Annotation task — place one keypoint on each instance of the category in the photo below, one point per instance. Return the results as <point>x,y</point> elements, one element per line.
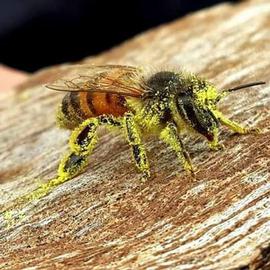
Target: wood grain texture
<point>106,218</point>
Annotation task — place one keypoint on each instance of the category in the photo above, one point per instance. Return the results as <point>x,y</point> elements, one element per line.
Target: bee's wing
<point>115,79</point>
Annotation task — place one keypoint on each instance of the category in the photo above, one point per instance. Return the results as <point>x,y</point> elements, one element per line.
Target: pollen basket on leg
<point>83,137</point>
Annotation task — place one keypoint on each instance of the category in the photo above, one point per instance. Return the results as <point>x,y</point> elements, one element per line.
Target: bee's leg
<point>234,125</point>
<point>170,136</point>
<point>134,140</point>
<point>213,142</point>
<point>82,142</point>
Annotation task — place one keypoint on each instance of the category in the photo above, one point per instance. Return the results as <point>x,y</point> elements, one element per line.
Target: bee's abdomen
<point>78,106</point>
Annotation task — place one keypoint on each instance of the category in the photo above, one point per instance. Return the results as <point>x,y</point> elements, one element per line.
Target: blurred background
<point>39,33</point>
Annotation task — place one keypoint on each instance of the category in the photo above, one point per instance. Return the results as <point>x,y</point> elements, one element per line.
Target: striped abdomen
<point>78,106</point>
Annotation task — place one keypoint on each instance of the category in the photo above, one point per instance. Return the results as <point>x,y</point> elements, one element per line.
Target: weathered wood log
<point>106,218</point>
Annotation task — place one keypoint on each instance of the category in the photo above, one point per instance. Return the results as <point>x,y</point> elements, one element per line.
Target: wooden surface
<point>106,218</point>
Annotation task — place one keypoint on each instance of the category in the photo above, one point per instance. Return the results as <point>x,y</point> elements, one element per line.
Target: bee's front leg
<point>234,125</point>
<point>134,140</point>
<point>170,136</point>
<point>213,142</point>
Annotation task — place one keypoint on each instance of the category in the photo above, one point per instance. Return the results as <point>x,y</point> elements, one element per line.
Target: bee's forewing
<point>116,79</point>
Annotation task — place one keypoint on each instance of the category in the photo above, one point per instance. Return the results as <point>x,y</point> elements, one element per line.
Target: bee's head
<point>198,106</point>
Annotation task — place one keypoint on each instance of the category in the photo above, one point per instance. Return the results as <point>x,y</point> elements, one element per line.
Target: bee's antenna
<point>244,86</point>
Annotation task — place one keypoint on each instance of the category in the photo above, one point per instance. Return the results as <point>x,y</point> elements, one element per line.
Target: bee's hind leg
<point>82,142</point>
<point>134,140</point>
<point>170,136</point>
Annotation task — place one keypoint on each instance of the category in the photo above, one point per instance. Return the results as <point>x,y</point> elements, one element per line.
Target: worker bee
<point>138,102</point>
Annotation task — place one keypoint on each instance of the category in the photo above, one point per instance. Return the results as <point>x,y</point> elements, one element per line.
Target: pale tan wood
<point>106,218</point>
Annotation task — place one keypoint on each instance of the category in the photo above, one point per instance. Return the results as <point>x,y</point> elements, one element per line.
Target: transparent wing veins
<point>123,80</point>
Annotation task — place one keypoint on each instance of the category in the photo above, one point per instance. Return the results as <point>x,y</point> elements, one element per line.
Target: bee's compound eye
<point>199,118</point>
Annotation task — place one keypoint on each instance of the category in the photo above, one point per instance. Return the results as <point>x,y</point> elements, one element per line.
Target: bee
<point>137,103</point>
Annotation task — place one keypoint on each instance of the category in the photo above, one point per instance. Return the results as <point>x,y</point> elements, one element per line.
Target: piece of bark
<point>106,218</point>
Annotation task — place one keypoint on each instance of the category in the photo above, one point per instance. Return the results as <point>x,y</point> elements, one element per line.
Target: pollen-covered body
<point>182,99</point>
<point>165,104</point>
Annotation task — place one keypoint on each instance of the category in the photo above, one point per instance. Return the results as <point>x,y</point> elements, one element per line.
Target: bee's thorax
<point>163,85</point>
